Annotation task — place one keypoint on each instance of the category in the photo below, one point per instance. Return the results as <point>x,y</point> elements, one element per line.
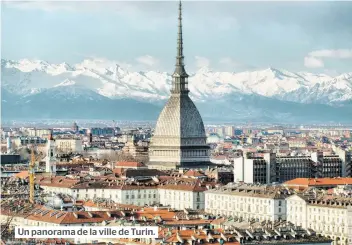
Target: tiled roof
<point>185,185</point>
<point>318,182</point>
<point>62,217</point>
<point>22,175</point>
<point>129,164</point>
<point>143,172</point>
<point>193,173</point>
<point>252,191</point>
<point>57,181</point>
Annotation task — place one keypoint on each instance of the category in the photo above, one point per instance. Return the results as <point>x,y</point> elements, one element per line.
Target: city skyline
<point>226,36</point>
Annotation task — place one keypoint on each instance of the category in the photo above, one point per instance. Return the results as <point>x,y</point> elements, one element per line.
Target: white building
<point>119,193</point>
<point>327,215</point>
<point>42,133</point>
<point>247,202</point>
<point>183,194</point>
<point>254,170</point>
<point>178,194</point>
<point>69,145</point>
<point>270,168</point>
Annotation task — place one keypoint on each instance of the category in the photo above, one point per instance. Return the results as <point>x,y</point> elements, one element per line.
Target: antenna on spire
<point>180,39</point>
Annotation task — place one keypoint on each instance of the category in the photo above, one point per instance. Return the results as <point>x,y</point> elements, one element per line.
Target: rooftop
<point>306,182</point>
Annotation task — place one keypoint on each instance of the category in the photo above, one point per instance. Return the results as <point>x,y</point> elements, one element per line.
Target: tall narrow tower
<point>50,166</point>
<point>179,138</point>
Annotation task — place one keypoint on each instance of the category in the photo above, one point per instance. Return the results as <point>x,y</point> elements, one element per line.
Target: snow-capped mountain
<point>259,93</point>
<point>111,80</point>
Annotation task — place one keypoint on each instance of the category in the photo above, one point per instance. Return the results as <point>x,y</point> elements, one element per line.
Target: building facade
<point>69,145</point>
<point>329,217</point>
<point>247,202</point>
<point>271,168</point>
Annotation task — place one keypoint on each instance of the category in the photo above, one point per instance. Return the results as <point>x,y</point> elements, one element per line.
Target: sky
<point>141,35</point>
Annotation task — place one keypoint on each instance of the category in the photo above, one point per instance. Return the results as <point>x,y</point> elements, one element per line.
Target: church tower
<point>50,166</point>
<point>179,139</point>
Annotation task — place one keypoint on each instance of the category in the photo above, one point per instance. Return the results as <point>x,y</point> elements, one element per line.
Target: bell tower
<point>50,166</point>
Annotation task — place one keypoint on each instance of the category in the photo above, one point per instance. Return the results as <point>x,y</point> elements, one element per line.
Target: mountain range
<point>94,90</point>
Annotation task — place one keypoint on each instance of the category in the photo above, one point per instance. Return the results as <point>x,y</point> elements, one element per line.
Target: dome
<point>180,118</point>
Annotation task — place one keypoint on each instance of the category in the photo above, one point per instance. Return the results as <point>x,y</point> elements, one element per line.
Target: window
<point>280,203</point>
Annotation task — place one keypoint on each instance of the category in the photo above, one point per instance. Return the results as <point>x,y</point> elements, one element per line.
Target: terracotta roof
<point>174,236</point>
<point>57,181</point>
<point>318,182</point>
<point>62,217</point>
<point>150,214</point>
<point>185,185</point>
<point>193,173</point>
<point>130,173</point>
<point>188,222</point>
<point>129,164</point>
<point>89,203</point>
<point>22,175</point>
<point>118,171</point>
<point>218,221</point>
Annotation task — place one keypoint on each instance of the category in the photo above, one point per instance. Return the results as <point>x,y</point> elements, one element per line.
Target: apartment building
<point>181,194</point>
<point>327,215</point>
<point>178,193</point>
<point>69,145</point>
<point>270,168</point>
<point>24,141</point>
<point>247,202</point>
<point>35,132</point>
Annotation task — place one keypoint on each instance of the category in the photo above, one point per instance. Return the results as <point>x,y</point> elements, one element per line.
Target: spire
<point>179,58</point>
<point>179,83</point>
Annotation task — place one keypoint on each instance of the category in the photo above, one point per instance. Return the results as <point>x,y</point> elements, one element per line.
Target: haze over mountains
<point>91,90</point>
